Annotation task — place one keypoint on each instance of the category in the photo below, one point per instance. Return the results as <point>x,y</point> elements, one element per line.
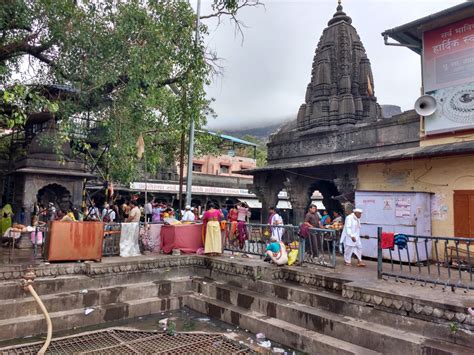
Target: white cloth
<point>351,229</point>
<point>129,239</point>
<point>277,232</point>
<point>188,216</point>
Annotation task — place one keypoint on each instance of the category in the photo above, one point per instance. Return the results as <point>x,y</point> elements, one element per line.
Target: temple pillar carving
<point>299,194</point>
<point>346,185</point>
<point>266,188</point>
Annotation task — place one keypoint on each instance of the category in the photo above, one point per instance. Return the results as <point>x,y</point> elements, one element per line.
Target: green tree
<point>261,151</point>
<point>134,67</point>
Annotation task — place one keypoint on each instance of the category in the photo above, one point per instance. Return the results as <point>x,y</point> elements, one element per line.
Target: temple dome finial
<point>339,15</point>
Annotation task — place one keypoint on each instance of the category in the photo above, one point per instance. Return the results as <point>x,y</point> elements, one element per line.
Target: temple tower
<point>341,91</point>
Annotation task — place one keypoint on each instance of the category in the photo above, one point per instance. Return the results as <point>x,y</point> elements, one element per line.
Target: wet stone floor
<point>177,322</point>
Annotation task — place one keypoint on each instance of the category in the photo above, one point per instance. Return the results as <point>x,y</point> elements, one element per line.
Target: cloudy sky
<point>265,77</point>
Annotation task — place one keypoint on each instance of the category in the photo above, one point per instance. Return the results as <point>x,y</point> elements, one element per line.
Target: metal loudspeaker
<point>425,105</point>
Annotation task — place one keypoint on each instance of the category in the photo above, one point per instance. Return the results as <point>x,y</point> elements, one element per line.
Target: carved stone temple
<point>339,125</point>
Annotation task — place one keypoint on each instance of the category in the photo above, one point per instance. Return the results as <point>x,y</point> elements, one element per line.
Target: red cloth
<point>388,240</point>
<point>185,237</point>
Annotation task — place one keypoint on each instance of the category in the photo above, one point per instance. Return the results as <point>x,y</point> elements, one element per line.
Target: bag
<point>292,256</point>
<point>304,231</point>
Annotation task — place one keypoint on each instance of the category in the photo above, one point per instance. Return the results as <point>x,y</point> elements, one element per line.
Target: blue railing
<point>444,261</point>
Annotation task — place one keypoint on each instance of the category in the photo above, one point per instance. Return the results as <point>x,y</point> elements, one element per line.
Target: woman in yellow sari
<point>213,241</point>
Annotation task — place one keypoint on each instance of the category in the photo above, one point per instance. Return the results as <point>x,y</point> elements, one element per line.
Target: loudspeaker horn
<point>425,105</point>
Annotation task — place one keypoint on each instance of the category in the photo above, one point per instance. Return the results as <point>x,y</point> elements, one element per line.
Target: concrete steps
<point>22,317</point>
<point>92,297</point>
<point>324,320</point>
<point>335,303</point>
<point>277,330</point>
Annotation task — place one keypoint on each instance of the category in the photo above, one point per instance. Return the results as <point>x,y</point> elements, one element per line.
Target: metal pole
<point>189,177</point>
<point>379,253</point>
<point>181,172</point>
<point>146,184</point>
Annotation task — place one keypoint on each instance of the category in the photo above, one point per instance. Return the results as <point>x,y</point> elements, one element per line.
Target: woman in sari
<point>242,216</point>
<point>232,219</point>
<point>212,242</point>
<point>5,218</point>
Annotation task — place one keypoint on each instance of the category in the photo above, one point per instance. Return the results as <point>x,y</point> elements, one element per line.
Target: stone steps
<point>14,328</point>
<point>94,297</point>
<point>291,335</point>
<point>335,303</point>
<point>353,330</point>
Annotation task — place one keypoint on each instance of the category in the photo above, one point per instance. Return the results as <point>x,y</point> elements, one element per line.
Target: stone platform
<point>313,309</point>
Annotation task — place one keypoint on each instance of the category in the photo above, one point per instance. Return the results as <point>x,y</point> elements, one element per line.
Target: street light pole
<point>189,176</point>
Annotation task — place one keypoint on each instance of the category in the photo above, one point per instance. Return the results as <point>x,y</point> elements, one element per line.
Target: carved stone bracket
<point>266,187</point>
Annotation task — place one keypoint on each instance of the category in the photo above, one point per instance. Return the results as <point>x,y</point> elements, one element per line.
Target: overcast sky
<point>265,77</point>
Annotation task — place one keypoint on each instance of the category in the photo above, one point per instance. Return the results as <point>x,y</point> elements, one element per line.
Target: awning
<point>251,202</point>
<point>284,205</point>
<point>319,204</point>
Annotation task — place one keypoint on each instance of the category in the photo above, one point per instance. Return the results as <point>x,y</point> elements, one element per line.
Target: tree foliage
<point>133,65</point>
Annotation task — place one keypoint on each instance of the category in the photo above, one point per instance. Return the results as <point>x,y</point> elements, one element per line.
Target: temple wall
<point>440,176</point>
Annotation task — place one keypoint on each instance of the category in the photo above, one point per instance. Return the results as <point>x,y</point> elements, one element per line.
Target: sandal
<point>361,265</point>
<point>347,264</point>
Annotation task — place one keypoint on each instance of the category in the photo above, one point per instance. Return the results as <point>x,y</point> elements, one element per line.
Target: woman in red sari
<point>213,240</point>
<point>232,219</point>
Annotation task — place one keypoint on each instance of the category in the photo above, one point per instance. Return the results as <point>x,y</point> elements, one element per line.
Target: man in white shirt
<point>134,214</point>
<point>188,215</point>
<point>108,214</point>
<point>351,238</point>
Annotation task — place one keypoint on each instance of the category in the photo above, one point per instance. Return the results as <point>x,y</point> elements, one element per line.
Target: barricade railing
<point>320,246</point>
<point>111,241</point>
<point>252,238</point>
<point>444,261</point>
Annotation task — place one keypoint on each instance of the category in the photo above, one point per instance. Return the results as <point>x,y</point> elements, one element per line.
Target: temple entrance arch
<point>56,194</point>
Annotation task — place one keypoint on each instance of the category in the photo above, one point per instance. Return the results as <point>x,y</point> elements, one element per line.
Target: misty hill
<point>259,132</point>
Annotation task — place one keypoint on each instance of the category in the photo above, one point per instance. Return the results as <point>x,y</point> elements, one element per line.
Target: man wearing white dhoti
<point>351,238</point>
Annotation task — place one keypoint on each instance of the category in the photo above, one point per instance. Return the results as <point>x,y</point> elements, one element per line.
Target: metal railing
<point>111,241</point>
<point>320,247</point>
<point>252,238</point>
<point>445,261</point>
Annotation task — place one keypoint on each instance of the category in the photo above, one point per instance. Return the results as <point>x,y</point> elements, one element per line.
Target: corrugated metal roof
<point>411,33</point>
<point>231,138</point>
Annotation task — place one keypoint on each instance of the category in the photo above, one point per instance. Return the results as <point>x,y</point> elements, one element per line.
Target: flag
<point>140,146</point>
<point>370,91</point>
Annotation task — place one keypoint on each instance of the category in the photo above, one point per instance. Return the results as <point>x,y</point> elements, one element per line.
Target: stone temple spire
<point>339,93</point>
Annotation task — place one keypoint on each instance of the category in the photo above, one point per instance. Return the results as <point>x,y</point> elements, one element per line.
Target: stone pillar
<point>299,195</point>
<point>266,187</point>
<point>346,184</point>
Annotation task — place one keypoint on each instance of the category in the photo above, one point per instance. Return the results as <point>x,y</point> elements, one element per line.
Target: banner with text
<point>448,55</point>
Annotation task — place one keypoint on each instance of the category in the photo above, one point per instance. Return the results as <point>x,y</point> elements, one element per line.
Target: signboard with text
<point>211,190</point>
<point>448,55</point>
